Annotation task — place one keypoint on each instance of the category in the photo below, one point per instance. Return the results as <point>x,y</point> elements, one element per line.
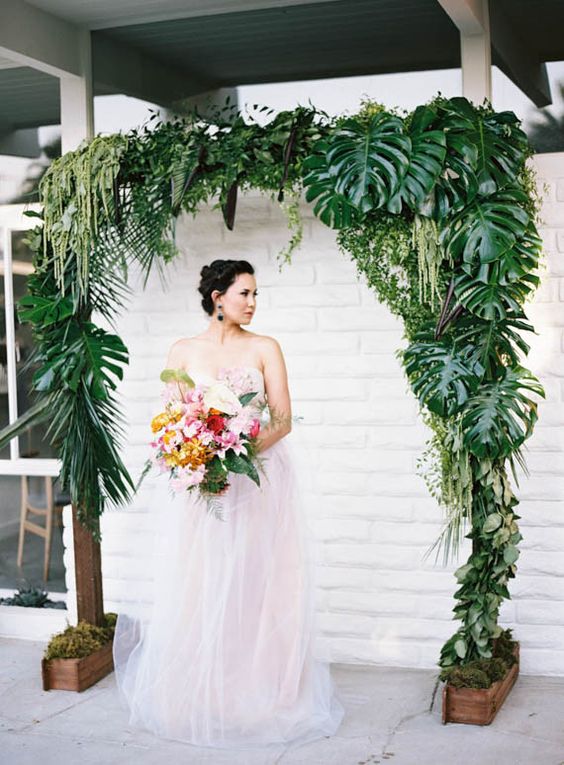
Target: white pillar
<point>472,19</point>
<point>77,101</point>
<point>476,60</point>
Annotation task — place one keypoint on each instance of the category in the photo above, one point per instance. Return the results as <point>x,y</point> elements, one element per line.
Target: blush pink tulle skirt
<point>224,655</point>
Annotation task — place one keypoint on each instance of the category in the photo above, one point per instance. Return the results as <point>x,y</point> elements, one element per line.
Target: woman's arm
<point>277,393</point>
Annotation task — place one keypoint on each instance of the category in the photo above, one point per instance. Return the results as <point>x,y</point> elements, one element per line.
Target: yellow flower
<point>159,422</point>
<point>193,453</point>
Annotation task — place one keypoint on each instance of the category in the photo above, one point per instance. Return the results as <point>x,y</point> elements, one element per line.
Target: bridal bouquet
<point>204,433</point>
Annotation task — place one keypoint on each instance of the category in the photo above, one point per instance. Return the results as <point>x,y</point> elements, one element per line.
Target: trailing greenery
<point>446,469</point>
<point>441,203</point>
<point>437,208</point>
<point>78,641</point>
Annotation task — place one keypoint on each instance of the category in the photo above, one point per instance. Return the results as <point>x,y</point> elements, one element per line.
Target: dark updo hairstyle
<point>220,275</point>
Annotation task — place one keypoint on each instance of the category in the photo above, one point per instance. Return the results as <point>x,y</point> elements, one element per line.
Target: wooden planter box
<point>77,674</point>
<point>478,706</point>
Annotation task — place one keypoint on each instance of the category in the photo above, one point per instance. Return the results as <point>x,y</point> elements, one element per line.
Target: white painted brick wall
<point>378,600</point>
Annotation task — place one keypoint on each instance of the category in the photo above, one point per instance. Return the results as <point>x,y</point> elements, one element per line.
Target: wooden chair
<point>54,503</point>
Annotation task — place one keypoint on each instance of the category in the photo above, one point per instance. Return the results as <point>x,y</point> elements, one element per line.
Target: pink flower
<point>236,378</point>
<point>241,422</point>
<point>188,477</point>
<point>192,428</point>
<point>255,428</point>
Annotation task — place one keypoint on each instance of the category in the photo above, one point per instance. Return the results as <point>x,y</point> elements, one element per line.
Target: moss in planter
<point>503,648</point>
<point>481,673</point>
<point>81,640</point>
<point>111,619</point>
<point>476,674</point>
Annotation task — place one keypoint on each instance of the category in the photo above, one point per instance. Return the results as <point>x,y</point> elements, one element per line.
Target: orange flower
<point>192,453</point>
<point>163,419</point>
<point>160,421</point>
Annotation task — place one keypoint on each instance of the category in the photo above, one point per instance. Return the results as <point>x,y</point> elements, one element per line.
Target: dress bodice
<point>244,378</point>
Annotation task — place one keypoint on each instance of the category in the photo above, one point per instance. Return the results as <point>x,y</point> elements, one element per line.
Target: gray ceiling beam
<point>118,68</point>
<point>513,55</point>
<point>466,15</point>
<point>517,61</point>
<point>32,37</point>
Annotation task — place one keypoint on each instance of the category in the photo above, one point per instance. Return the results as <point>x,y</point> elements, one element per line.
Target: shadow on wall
<point>545,127</point>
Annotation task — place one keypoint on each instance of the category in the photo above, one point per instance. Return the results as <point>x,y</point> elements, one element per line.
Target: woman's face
<point>238,302</point>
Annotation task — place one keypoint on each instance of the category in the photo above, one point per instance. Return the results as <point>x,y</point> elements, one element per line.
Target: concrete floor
<point>388,719</point>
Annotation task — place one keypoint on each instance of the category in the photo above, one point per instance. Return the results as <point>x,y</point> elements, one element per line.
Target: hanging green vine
<point>437,208</point>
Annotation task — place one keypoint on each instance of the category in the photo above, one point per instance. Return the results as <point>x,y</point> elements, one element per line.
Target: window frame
<point>12,218</point>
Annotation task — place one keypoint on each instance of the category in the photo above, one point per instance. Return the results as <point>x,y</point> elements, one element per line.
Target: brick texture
<point>378,599</point>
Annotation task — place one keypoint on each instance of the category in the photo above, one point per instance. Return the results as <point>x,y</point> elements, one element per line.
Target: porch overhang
<point>166,52</point>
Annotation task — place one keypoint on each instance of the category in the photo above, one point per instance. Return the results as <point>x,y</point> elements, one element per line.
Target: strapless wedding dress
<point>224,656</point>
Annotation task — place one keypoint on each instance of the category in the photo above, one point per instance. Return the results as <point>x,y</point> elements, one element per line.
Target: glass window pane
<point>5,452</point>
<point>33,442</point>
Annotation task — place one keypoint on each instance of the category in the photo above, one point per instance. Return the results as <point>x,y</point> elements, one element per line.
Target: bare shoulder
<point>269,350</point>
<point>265,343</point>
<point>179,352</point>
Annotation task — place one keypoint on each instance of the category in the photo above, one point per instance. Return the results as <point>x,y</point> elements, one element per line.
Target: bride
<point>224,656</point>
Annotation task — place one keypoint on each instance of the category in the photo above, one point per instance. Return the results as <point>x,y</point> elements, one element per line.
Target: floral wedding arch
<point>438,209</point>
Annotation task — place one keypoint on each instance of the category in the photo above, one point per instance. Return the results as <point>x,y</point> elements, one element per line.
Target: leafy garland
<point>437,208</point>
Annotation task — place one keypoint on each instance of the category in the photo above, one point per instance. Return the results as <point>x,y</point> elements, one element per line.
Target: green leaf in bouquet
<point>146,469</point>
<point>238,463</point>
<point>216,475</point>
<point>176,375</point>
<point>247,397</point>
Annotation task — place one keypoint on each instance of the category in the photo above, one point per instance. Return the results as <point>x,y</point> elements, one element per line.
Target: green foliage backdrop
<point>437,208</point>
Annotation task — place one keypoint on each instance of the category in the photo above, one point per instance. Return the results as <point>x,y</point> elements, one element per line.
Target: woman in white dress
<point>225,655</point>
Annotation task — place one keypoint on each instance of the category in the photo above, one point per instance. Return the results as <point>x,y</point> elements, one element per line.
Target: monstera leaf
<point>501,148</point>
<point>499,141</point>
<point>500,416</point>
<point>88,357</point>
<point>519,263</point>
<point>457,185</point>
<point>358,169</point>
<point>371,160</point>
<point>488,228</point>
<point>428,151</point>
<point>484,154</point>
<point>441,377</point>
<point>45,310</point>
<point>494,341</point>
<point>490,301</point>
<point>332,208</point>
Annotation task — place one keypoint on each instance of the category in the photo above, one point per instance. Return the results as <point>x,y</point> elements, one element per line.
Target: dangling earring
<point>219,314</point>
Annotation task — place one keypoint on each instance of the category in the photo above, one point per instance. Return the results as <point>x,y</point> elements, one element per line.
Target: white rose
<point>220,397</point>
